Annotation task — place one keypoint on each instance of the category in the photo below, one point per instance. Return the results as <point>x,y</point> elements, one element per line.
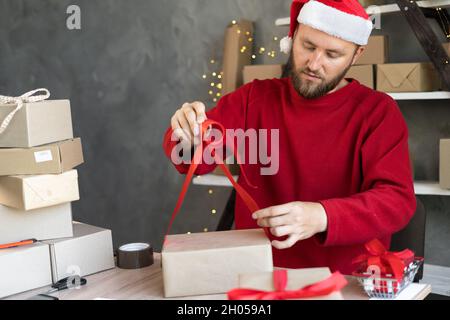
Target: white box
<point>41,224</point>
<point>89,251</point>
<point>24,268</point>
<point>39,191</point>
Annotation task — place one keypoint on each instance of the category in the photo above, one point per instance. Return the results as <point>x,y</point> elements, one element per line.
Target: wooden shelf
<point>387,8</point>
<point>420,187</point>
<point>433,95</point>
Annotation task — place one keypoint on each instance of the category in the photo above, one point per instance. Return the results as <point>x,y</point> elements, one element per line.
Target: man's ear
<point>358,53</point>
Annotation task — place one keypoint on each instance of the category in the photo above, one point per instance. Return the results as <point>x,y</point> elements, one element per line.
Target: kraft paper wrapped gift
<point>297,279</point>
<point>89,251</point>
<point>37,123</point>
<point>234,60</point>
<point>24,268</point>
<point>48,159</point>
<point>376,51</point>
<point>41,224</point>
<point>444,163</point>
<point>39,191</point>
<point>407,77</point>
<point>364,74</point>
<point>210,262</point>
<point>262,72</point>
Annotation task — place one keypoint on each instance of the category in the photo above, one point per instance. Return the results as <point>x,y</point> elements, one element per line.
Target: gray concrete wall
<point>131,66</point>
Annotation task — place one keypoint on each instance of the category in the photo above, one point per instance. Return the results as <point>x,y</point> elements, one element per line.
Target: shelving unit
<point>383,9</point>
<point>420,187</point>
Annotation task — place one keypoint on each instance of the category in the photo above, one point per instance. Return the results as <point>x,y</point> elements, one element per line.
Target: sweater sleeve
<point>387,201</point>
<point>231,112</point>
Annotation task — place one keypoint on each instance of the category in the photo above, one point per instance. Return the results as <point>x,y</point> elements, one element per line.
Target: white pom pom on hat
<point>344,19</point>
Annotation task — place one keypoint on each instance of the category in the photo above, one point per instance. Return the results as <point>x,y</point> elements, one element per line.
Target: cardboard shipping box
<point>48,159</point>
<point>364,74</point>
<point>36,124</point>
<point>24,268</point>
<point>41,224</point>
<point>444,163</point>
<point>376,51</point>
<point>33,192</point>
<point>446,46</point>
<point>210,262</point>
<point>89,251</point>
<point>262,72</point>
<point>297,279</point>
<point>234,60</point>
<point>407,77</point>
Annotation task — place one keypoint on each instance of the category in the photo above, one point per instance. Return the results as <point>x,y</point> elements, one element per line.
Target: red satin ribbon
<point>197,159</point>
<point>322,288</point>
<point>388,262</point>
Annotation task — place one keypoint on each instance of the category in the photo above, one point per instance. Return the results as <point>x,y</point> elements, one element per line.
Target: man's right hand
<point>186,122</point>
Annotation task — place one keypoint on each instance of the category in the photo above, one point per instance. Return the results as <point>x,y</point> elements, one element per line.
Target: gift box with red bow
<point>385,273</point>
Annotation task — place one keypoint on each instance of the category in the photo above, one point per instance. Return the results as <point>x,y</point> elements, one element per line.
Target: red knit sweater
<point>347,150</point>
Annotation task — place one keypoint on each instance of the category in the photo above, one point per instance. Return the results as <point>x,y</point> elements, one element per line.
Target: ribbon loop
<point>27,97</point>
<point>197,158</point>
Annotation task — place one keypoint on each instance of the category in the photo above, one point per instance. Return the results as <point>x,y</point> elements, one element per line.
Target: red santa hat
<point>345,19</point>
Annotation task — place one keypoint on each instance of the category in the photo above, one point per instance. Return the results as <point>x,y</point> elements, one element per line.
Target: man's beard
<point>306,88</point>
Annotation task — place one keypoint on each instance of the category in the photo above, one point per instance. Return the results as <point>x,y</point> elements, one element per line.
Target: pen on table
<point>17,244</point>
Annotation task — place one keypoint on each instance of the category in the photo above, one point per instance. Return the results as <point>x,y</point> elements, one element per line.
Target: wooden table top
<point>147,284</point>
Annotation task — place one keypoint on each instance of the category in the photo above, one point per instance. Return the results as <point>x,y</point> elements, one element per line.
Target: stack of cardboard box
<point>373,70</point>
<point>38,182</point>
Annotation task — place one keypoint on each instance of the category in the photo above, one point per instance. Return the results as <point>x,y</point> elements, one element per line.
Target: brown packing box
<point>407,77</point>
<point>376,51</point>
<point>297,279</point>
<point>444,163</point>
<point>233,59</point>
<point>364,74</point>
<point>36,124</point>
<point>446,46</point>
<point>262,72</point>
<point>39,191</point>
<point>210,262</point>
<point>52,158</point>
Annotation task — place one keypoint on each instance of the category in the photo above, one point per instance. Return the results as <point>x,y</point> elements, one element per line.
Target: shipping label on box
<point>39,191</point>
<point>89,251</point>
<point>41,224</point>
<point>262,72</point>
<point>36,124</point>
<point>24,268</point>
<point>297,279</point>
<point>376,51</point>
<point>364,74</point>
<point>407,77</point>
<point>444,163</point>
<point>210,262</point>
<point>48,159</point>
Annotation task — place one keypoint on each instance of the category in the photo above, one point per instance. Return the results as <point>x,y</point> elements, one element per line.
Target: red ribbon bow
<point>197,159</point>
<point>388,262</point>
<point>322,288</point>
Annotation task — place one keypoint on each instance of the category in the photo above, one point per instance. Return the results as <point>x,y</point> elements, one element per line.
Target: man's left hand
<point>297,220</point>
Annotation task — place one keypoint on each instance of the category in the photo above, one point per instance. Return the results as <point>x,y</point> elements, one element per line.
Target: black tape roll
<point>135,256</point>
